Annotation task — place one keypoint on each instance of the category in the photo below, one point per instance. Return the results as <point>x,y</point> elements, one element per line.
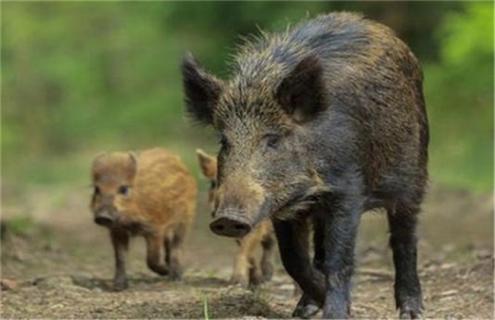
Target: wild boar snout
<point>238,207</point>
<point>231,225</point>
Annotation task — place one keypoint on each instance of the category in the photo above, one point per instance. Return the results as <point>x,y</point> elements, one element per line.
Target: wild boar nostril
<point>240,227</point>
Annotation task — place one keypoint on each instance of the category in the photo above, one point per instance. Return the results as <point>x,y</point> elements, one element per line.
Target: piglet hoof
<point>267,271</point>
<point>255,279</point>
<point>255,282</point>
<point>239,280</point>
<point>120,285</point>
<point>175,275</point>
<point>306,308</point>
<point>159,269</point>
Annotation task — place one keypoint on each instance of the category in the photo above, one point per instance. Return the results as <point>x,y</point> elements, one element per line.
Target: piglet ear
<point>97,166</point>
<point>133,158</point>
<point>302,92</point>
<point>201,90</point>
<point>208,164</point>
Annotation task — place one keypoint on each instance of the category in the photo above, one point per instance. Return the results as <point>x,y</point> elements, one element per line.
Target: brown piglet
<point>151,194</point>
<point>247,270</point>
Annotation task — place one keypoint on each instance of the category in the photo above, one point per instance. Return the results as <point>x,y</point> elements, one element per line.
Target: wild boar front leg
<point>120,242</point>
<point>340,236</point>
<point>292,239</point>
<point>307,307</point>
<point>154,244</point>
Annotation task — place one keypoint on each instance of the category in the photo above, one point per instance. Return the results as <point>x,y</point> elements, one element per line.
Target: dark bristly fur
<point>321,122</point>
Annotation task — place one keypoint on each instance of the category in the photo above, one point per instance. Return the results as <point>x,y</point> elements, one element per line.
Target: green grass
<point>205,308</point>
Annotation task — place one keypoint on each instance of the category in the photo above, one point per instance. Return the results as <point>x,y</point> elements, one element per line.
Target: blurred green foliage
<point>459,92</point>
<point>81,77</point>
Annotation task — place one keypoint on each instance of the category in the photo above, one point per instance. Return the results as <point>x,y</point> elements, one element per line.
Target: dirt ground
<point>62,266</point>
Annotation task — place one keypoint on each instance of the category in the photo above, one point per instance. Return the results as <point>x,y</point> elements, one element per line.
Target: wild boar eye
<point>272,141</point>
<point>224,143</point>
<point>124,190</point>
<point>97,190</point>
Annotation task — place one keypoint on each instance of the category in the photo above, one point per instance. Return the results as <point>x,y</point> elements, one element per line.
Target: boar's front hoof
<point>306,308</point>
<point>411,308</point>
<point>120,285</point>
<point>409,314</point>
<point>411,311</point>
<point>230,226</point>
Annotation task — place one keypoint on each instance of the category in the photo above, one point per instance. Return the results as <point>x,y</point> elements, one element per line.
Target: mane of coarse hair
<point>267,54</point>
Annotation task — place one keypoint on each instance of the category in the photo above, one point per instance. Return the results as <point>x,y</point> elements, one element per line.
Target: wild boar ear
<point>133,165</point>
<point>201,90</point>
<point>302,92</point>
<point>208,164</point>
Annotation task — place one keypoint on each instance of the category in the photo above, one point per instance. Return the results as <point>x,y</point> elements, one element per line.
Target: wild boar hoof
<point>411,315</point>
<point>411,308</point>
<point>306,308</point>
<point>119,285</point>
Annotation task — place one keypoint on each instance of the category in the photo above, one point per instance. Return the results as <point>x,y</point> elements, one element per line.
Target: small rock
<point>449,293</point>
<point>7,284</point>
<point>483,254</point>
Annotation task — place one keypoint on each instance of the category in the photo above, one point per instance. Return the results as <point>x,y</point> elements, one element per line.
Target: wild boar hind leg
<point>307,307</point>
<point>293,236</point>
<point>154,244</point>
<point>173,251</point>
<point>402,221</point>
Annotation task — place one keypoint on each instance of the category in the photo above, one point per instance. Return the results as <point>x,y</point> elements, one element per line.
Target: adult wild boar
<point>321,122</point>
<point>150,194</point>
<point>247,270</point>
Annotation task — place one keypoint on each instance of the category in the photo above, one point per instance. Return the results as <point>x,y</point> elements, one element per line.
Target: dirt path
<point>63,266</point>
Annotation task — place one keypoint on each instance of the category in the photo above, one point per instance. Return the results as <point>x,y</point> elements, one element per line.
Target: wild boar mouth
<point>301,200</point>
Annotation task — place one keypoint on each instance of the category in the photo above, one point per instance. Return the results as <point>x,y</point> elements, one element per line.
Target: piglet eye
<point>272,140</point>
<point>213,184</point>
<point>124,190</point>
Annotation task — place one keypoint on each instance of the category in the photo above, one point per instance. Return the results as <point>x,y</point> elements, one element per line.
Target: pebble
<point>8,284</point>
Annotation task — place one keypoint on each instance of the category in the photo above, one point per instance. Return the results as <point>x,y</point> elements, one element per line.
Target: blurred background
<point>79,78</point>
